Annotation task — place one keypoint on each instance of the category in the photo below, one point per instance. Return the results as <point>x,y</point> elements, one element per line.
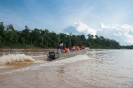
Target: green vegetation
<point>9,37</point>
<point>127,47</point>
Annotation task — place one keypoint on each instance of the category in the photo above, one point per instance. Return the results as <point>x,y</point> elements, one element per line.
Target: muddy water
<point>32,52</point>
<point>94,69</point>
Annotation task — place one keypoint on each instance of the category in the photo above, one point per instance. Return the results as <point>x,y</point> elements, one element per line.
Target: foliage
<point>46,39</point>
<point>127,47</point>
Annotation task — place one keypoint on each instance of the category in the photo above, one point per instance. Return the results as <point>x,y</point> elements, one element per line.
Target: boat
<point>52,55</point>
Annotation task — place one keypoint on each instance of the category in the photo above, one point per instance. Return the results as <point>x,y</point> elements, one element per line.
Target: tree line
<point>127,47</point>
<point>9,37</point>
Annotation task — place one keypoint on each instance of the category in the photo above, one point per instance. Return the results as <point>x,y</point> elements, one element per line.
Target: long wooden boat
<point>63,55</point>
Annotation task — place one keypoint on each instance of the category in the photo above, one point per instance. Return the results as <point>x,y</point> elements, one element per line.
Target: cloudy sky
<point>112,19</point>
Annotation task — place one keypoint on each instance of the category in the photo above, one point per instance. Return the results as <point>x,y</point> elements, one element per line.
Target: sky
<point>112,19</point>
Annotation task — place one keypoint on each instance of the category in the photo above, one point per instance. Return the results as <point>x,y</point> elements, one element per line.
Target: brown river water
<point>97,68</point>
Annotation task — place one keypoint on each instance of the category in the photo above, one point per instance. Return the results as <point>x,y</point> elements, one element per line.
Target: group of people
<point>62,49</point>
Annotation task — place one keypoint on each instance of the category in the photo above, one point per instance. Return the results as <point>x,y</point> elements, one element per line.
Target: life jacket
<point>78,48</point>
<point>73,48</point>
<point>83,47</point>
<point>66,50</point>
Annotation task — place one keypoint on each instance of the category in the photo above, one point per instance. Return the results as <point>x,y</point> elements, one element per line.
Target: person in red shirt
<point>82,47</point>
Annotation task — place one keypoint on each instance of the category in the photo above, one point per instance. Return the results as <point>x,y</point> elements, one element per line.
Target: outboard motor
<point>51,56</point>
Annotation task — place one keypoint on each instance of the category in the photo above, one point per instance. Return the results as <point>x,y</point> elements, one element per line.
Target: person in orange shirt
<point>66,49</point>
<point>73,48</point>
<point>78,48</point>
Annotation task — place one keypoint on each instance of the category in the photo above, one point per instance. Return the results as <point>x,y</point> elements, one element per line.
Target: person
<point>70,48</point>
<point>82,47</point>
<point>58,50</point>
<point>73,48</point>
<point>61,46</point>
<point>67,50</point>
<point>77,48</point>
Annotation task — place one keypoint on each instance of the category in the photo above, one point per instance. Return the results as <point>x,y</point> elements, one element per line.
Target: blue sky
<point>112,19</point>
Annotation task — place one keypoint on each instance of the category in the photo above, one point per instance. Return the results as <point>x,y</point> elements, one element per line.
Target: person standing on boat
<point>61,46</point>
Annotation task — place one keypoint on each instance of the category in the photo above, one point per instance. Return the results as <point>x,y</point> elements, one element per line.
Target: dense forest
<point>127,47</point>
<point>9,37</point>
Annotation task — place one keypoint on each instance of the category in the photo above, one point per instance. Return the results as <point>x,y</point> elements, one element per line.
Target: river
<point>98,68</point>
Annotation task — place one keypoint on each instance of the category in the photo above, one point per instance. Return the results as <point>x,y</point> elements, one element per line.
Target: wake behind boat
<point>16,61</point>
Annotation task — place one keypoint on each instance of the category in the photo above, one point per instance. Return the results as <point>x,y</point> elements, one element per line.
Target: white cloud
<point>80,28</point>
<point>117,34</point>
<point>120,33</point>
<point>129,38</point>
